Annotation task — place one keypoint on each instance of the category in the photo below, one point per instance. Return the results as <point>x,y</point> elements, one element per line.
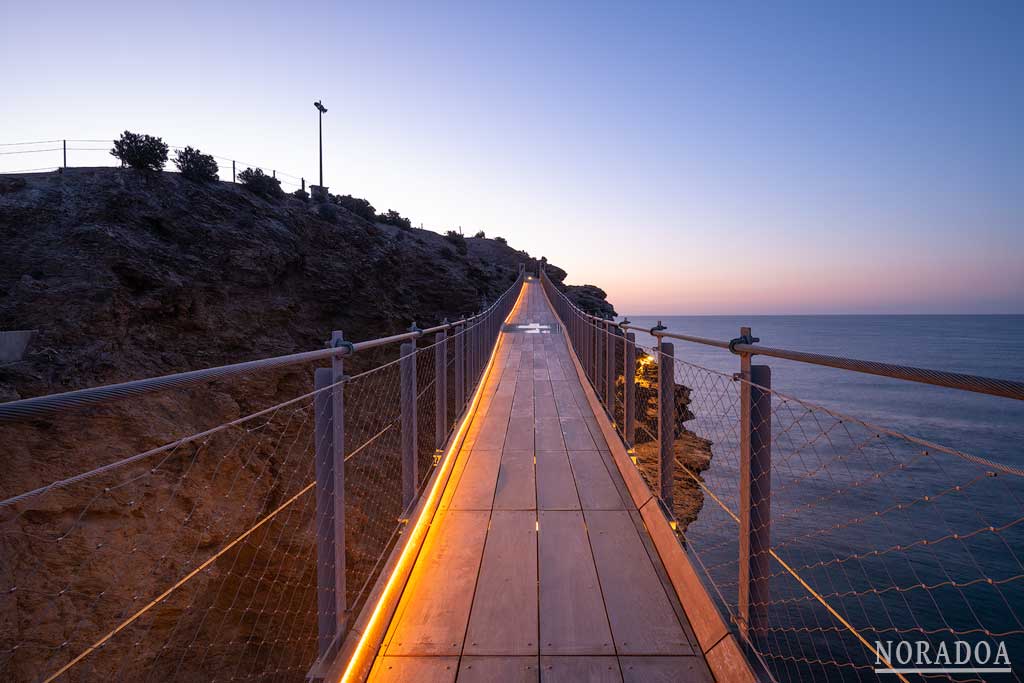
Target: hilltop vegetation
<point>127,274</point>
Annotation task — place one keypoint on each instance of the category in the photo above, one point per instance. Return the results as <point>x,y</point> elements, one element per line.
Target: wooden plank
<point>423,669</point>
<point>522,404</point>
<point>729,663</point>
<point>519,436</point>
<point>542,388</point>
<point>516,488</point>
<point>549,434</point>
<point>577,436</point>
<point>572,615</point>
<point>544,406</point>
<point>492,434</point>
<point>556,488</point>
<point>701,612</point>
<point>490,669</point>
<point>503,620</point>
<point>595,432</point>
<point>665,670</point>
<point>641,617</point>
<point>475,488</point>
<point>574,669</point>
<point>594,484</point>
<point>433,618</point>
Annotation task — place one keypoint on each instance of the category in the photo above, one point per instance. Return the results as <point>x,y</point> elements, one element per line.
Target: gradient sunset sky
<point>687,157</point>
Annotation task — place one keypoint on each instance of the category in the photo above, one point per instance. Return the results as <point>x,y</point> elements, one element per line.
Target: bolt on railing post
<point>666,421</point>
<point>755,496</point>
<point>460,369</point>
<point>326,548</point>
<point>407,373</point>
<point>609,364</point>
<point>629,390</point>
<point>338,456</point>
<point>440,389</point>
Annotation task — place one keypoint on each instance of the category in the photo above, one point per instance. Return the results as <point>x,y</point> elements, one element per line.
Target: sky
<point>687,157</point>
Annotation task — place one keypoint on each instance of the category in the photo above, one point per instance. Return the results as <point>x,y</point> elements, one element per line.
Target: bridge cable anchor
<point>343,344</point>
<point>744,339</point>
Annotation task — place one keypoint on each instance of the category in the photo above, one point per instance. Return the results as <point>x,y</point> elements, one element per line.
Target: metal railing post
<point>440,389</point>
<point>326,606</point>
<point>666,421</point>
<point>629,390</point>
<point>755,496</point>
<point>338,458</point>
<point>609,364</point>
<point>408,401</point>
<point>460,368</point>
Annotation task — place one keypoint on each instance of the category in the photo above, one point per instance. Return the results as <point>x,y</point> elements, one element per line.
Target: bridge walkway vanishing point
<point>537,563</point>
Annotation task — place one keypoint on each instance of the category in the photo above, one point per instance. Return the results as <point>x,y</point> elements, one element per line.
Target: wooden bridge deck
<point>537,565</point>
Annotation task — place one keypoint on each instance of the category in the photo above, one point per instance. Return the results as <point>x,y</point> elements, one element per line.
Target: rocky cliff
<point>123,276</point>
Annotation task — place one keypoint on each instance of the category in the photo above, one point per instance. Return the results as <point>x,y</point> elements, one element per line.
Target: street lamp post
<point>319,191</point>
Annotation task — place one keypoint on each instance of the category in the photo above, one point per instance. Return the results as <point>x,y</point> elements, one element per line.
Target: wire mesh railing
<point>218,555</point>
<point>839,550</point>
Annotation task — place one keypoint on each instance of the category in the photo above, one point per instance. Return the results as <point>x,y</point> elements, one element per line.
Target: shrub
<point>501,240</point>
<point>144,152</point>
<point>255,180</point>
<point>300,194</point>
<point>327,213</point>
<point>447,253</point>
<point>480,234</point>
<point>195,165</point>
<point>392,217</point>
<point>359,207</point>
<point>458,240</point>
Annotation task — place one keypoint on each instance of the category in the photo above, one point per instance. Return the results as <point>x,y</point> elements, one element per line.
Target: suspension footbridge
<point>525,494</point>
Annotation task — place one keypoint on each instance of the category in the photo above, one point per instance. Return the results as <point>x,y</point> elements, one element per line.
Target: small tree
<point>392,217</point>
<point>143,152</point>
<point>459,240</point>
<point>480,234</point>
<point>501,240</point>
<point>255,180</point>
<point>196,166</point>
<point>359,207</point>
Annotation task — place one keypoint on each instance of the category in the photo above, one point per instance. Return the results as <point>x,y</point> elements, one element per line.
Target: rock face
<point>126,276</point>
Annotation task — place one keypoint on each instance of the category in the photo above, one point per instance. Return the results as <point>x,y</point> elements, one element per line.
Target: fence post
<point>460,368</point>
<point>338,457</point>
<point>303,184</point>
<point>326,605</point>
<point>755,496</point>
<point>408,402</point>
<point>233,170</point>
<point>440,389</point>
<point>609,364</point>
<point>65,154</point>
<point>629,390</point>
<point>666,421</point>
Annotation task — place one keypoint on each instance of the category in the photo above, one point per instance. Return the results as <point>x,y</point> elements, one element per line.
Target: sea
<point>907,543</point>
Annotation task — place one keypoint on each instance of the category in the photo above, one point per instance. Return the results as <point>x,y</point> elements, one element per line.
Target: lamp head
<point>322,108</point>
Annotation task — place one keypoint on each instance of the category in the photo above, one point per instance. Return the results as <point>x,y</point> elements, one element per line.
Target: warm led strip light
<point>422,525</point>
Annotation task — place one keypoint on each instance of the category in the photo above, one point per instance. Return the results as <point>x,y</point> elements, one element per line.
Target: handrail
<point>979,384</point>
<point>42,406</point>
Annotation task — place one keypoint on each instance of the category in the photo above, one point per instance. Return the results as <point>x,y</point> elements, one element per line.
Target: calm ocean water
<point>989,345</point>
<point>900,551</point>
